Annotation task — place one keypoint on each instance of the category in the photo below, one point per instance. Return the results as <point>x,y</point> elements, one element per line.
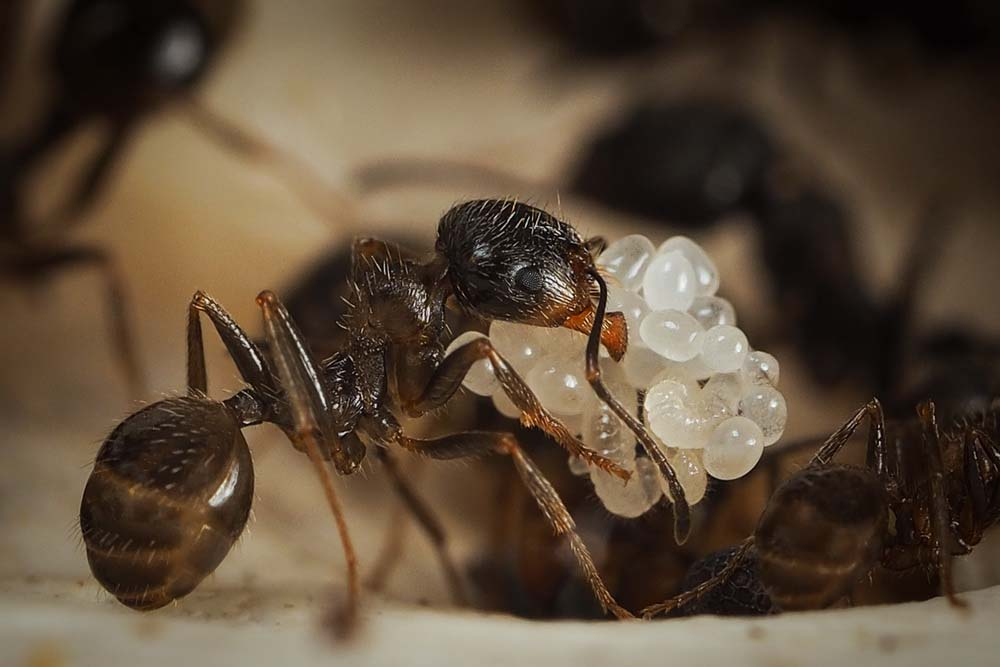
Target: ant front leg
<point>477,443</point>
<point>312,428</point>
<point>940,513</point>
<point>418,396</point>
<point>682,512</point>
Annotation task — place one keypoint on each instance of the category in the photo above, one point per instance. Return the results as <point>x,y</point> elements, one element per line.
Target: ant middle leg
<point>876,438</point>
<point>476,443</point>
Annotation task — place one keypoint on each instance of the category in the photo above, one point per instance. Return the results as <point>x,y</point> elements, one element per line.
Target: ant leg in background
<point>427,521</point>
<point>940,521</point>
<point>42,261</point>
<point>418,397</point>
<point>89,187</point>
<point>682,512</point>
<point>696,593</point>
<point>876,438</point>
<point>294,174</point>
<point>477,443</point>
<point>312,428</point>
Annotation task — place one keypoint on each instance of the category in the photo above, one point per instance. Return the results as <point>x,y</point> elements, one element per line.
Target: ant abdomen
<point>822,530</point>
<point>169,495</point>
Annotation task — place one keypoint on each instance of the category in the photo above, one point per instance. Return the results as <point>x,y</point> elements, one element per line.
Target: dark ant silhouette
<point>926,494</point>
<point>116,64</point>
<point>172,484</point>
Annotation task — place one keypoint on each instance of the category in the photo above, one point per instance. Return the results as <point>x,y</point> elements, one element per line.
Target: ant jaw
<point>614,330</point>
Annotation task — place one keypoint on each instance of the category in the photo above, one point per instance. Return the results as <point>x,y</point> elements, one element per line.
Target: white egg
<point>706,274</point>
<point>480,379</point>
<point>669,282</point>
<point>626,259</point>
<point>672,333</point>
<point>733,449</point>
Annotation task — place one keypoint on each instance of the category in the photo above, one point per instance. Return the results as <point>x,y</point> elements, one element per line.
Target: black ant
<point>172,484</point>
<point>115,65</point>
<point>925,495</point>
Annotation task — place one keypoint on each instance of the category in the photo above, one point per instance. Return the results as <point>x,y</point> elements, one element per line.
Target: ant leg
<point>121,329</point>
<point>428,522</point>
<point>89,187</point>
<point>312,428</point>
<point>447,378</point>
<point>940,515</point>
<point>244,353</point>
<point>876,441</point>
<point>476,443</point>
<point>295,175</point>
<point>682,512</point>
<point>703,588</point>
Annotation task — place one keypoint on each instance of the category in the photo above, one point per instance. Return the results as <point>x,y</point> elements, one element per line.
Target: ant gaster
<point>172,484</point>
<point>925,495</point>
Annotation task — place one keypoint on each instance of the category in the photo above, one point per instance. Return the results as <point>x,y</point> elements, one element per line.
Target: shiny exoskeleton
<point>926,494</point>
<point>159,518</point>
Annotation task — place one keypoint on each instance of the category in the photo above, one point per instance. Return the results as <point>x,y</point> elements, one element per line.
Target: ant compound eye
<point>529,279</point>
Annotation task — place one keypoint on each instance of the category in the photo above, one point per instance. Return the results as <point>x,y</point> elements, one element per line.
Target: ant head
<point>511,261</point>
<point>114,49</point>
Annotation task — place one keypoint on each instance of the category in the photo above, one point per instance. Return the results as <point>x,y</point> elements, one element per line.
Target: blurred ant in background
<point>116,64</point>
<point>926,494</point>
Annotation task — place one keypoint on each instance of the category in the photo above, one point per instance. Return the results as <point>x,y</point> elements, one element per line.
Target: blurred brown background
<point>875,119</point>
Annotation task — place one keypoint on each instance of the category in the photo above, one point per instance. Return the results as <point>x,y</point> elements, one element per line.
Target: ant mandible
<point>925,495</point>
<point>172,484</point>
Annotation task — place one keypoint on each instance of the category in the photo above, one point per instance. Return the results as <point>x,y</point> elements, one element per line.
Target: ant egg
<point>765,406</point>
<point>642,365</point>
<point>578,466</point>
<point>516,343</point>
<point>626,260</point>
<point>733,449</point>
<point>676,418</point>
<point>673,334</point>
<point>706,275</point>
<point>670,282</point>
<point>505,406</point>
<point>605,433</point>
<point>559,385</point>
<point>480,379</point>
<point>633,306</point>
<point>722,393</point>
<point>690,474</point>
<point>711,311</point>
<point>628,500</point>
<point>724,348</point>
<point>760,368</point>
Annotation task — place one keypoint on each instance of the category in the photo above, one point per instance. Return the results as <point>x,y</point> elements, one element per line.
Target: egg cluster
<point>708,399</point>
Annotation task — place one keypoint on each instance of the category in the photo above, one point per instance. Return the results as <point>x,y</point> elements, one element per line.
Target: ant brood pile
<point>689,371</point>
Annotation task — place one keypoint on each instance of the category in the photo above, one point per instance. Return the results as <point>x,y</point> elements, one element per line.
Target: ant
<point>116,64</point>
<point>925,495</point>
<point>171,487</point>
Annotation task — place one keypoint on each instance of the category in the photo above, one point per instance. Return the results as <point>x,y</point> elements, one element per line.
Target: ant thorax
<point>710,400</point>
